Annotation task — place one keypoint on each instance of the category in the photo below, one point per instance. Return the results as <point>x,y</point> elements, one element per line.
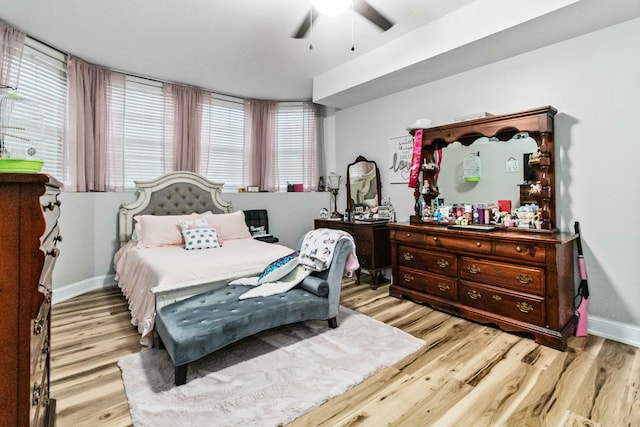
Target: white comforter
<point>143,272</point>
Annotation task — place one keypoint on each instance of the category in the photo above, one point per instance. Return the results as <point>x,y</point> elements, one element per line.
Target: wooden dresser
<point>372,245</point>
<point>518,281</point>
<point>30,233</point>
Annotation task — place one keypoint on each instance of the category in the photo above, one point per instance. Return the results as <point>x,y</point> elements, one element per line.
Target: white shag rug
<point>269,379</point>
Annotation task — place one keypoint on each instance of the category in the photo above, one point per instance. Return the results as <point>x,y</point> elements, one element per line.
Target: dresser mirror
<point>363,185</point>
<point>503,170</point>
<point>502,144</point>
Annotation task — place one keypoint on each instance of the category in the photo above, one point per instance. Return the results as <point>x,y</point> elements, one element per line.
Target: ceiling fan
<point>359,6</point>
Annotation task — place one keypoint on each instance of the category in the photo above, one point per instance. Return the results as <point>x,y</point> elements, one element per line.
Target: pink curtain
<point>94,134</point>
<point>261,148</point>
<point>11,46</point>
<point>312,153</point>
<point>183,121</point>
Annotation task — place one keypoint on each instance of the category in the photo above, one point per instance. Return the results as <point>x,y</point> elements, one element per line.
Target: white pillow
<point>200,238</point>
<point>280,286</point>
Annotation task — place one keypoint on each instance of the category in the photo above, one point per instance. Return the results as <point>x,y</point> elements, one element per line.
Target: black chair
<point>258,218</point>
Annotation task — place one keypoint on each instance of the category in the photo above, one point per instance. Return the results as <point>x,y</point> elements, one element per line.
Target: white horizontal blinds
<point>224,117</point>
<point>144,153</point>
<point>293,121</point>
<point>43,79</point>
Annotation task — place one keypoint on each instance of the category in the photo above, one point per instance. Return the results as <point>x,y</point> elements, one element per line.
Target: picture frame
<point>253,189</point>
<point>400,153</point>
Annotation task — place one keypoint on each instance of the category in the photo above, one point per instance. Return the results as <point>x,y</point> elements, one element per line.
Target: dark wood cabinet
<point>518,281</point>
<point>30,233</point>
<point>372,245</point>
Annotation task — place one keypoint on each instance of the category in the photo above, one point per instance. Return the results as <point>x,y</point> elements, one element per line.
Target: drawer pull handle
<point>442,263</point>
<point>518,249</point>
<point>408,234</point>
<point>35,394</point>
<point>443,287</point>
<point>51,205</point>
<point>473,269</point>
<point>408,278</point>
<point>524,278</point>
<point>408,256</point>
<point>37,326</point>
<point>478,244</point>
<point>54,252</point>
<point>473,294</point>
<point>497,298</point>
<point>435,238</point>
<point>524,307</point>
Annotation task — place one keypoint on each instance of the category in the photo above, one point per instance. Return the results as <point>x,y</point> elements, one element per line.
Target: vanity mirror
<point>500,146</point>
<point>363,185</point>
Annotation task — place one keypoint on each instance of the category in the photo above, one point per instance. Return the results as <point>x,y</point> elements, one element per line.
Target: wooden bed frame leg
<point>333,323</point>
<point>181,374</point>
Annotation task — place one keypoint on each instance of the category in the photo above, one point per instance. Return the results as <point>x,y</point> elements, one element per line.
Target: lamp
<point>334,186</point>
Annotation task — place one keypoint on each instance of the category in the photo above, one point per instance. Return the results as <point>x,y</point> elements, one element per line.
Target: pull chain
<point>311,27</point>
<point>353,46</point>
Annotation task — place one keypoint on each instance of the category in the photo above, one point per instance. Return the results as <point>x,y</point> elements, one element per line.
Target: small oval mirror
<point>363,185</point>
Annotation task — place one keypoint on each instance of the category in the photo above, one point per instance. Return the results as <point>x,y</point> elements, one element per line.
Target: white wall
<point>594,82</point>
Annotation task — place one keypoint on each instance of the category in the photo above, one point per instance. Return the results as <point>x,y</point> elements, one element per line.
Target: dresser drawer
<point>480,246</point>
<point>433,284</point>
<point>511,276</point>
<point>409,237</point>
<point>50,208</point>
<point>39,396</point>
<point>521,251</point>
<point>39,338</point>
<point>525,308</point>
<point>441,263</point>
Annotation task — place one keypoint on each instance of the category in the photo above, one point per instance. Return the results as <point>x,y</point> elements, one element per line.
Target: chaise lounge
<point>197,326</point>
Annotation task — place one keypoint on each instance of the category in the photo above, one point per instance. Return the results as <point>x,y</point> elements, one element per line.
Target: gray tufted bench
<point>199,325</point>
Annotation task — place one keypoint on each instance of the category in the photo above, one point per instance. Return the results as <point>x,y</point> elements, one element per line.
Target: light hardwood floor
<point>467,374</point>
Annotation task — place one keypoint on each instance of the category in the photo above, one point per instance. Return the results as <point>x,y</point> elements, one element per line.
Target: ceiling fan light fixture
<point>331,7</point>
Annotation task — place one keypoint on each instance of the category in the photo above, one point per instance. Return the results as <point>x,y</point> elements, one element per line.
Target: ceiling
<point>245,48</point>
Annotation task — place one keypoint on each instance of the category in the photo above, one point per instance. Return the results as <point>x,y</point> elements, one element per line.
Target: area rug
<point>269,379</point>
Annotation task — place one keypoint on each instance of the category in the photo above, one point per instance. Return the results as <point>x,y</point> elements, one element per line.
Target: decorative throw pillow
<point>200,238</point>
<point>279,268</point>
<point>202,223</point>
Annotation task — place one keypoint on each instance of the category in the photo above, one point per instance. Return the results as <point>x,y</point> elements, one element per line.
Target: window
<point>144,152</point>
<point>296,143</point>
<point>223,155</point>
<point>43,79</point>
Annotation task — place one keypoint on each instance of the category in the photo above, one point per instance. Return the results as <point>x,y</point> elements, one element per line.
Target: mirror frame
<point>538,123</point>
<point>378,184</point>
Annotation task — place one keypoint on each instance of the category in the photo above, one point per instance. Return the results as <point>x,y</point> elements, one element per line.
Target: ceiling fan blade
<point>371,14</point>
<point>303,29</point>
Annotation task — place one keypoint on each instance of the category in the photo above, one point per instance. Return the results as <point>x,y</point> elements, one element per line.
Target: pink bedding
<point>143,272</point>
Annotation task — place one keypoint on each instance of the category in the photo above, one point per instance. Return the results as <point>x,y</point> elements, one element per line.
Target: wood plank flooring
<point>467,374</point>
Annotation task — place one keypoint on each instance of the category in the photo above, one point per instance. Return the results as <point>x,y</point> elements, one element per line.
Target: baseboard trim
<point>617,331</point>
<point>71,290</point>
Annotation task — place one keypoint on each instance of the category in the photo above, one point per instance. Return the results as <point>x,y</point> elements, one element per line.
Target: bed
<point>152,266</point>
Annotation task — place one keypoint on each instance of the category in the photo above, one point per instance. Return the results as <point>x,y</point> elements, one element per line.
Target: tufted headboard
<point>176,193</point>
